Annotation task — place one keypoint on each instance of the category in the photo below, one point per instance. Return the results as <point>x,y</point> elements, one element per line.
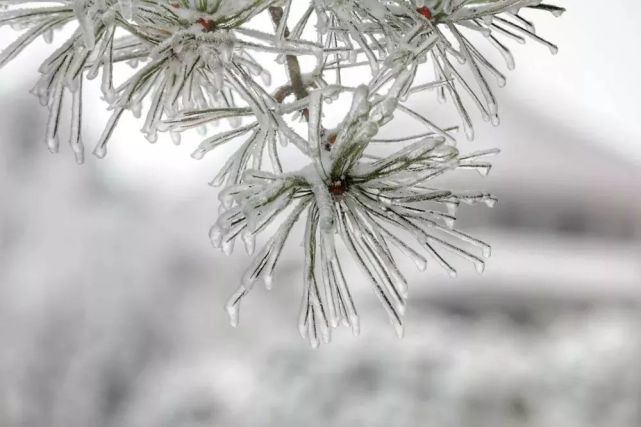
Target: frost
<point>361,198</point>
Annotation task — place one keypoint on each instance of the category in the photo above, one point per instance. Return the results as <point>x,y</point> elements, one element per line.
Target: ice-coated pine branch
<point>361,198</point>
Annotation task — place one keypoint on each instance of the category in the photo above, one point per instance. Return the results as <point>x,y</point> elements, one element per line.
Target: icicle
<point>100,150</point>
<point>175,137</point>
<point>53,124</point>
<point>249,239</point>
<point>233,306</point>
<point>75,139</point>
<point>48,36</point>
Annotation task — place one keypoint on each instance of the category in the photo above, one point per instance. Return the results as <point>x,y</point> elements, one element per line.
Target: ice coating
<point>362,198</point>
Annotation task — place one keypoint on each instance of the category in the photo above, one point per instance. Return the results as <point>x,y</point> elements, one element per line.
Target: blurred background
<point>111,298</point>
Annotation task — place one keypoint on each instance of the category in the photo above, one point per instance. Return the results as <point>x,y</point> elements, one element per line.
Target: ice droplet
<point>48,36</point>
<point>490,202</point>
<point>79,154</point>
<point>152,136</point>
<point>249,239</point>
<point>449,222</point>
<point>228,246</point>
<point>100,151</point>
<point>487,251</point>
<point>198,154</point>
<point>558,12</point>
<point>233,313</point>
<point>268,280</point>
<point>354,324</point>
<point>480,267</point>
<point>313,341</point>
<point>484,170</point>
<point>218,180</point>
<point>233,306</point>
<point>400,331</point>
<point>326,334</point>
<point>136,109</point>
<point>175,137</point>
<point>469,132</point>
<point>53,144</point>
<point>216,236</point>
<point>402,307</point>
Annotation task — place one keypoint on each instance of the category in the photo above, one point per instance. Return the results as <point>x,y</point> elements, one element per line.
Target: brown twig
<point>297,87</point>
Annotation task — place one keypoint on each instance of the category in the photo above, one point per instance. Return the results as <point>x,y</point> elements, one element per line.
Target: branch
<point>297,86</point>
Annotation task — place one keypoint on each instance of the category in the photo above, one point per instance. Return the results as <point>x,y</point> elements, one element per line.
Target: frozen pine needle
<point>370,206</point>
<point>362,198</point>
